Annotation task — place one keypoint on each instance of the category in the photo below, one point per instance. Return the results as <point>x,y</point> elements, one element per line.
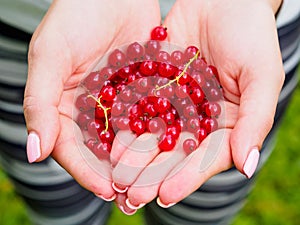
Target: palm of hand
<point>233,37</point>
<point>76,35</point>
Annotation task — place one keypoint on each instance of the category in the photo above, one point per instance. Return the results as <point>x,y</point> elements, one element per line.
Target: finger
<point>121,142</point>
<point>212,156</point>
<point>229,114</point>
<point>47,71</point>
<point>71,153</point>
<point>176,23</point>
<point>260,86</point>
<point>146,186</point>
<point>138,155</point>
<point>121,204</point>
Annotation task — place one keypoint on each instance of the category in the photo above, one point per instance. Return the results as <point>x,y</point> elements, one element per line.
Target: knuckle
<point>30,104</point>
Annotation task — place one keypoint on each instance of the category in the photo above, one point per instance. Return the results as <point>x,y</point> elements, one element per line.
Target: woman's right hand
<point>72,35</point>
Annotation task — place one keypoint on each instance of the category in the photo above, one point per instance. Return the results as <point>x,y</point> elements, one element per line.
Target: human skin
<point>240,39</point>
<point>72,35</point>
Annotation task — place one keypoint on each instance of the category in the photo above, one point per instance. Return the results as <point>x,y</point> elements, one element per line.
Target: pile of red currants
<point>147,88</point>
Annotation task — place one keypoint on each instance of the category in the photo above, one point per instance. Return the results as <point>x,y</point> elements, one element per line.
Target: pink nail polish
<point>162,204</point>
<point>119,189</point>
<point>131,206</point>
<point>33,147</point>
<point>126,212</point>
<point>107,199</point>
<point>251,162</point>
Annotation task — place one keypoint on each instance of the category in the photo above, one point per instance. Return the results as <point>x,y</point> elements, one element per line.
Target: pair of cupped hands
<point>238,37</point>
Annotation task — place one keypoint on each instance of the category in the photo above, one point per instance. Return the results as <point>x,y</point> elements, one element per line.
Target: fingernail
<point>119,189</point>
<point>251,163</point>
<point>162,204</point>
<point>107,199</point>
<point>33,147</point>
<point>126,212</point>
<point>131,206</point>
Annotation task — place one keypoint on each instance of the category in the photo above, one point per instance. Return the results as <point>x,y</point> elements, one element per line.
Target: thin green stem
<point>103,108</point>
<point>176,79</point>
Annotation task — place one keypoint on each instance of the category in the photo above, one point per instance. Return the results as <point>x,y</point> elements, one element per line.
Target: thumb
<point>43,91</point>
<point>259,95</point>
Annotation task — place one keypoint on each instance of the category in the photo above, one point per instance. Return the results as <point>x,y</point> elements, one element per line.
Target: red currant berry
<point>181,123</point>
<point>163,56</point>
<point>174,130</point>
<point>93,126</point>
<point>102,150</point>
<point>122,123</point>
<point>168,117</point>
<point>201,134</point>
<point>209,124</point>
<point>106,135</point>
<point>177,58</point>
<point>197,95</point>
<point>213,109</point>
<point>106,73</point>
<point>167,142</point>
<point>190,52</point>
<point>156,125</point>
<point>93,80</point>
<point>193,125</point>
<point>99,113</point>
<point>152,47</point>
<point>117,109</point>
<point>138,126</point>
<point>184,78</point>
<point>167,92</point>
<point>126,95</point>
<point>133,77</point>
<point>159,33</point>
<point>199,65</point>
<point>162,105</point>
<point>181,91</point>
<point>108,93</point>
<point>198,79</point>
<point>91,142</point>
<point>143,85</point>
<point>81,102</point>
<point>135,51</point>
<point>125,71</point>
<point>117,58</point>
<point>135,111</point>
<point>148,68</point>
<point>83,119</point>
<point>166,69</point>
<point>214,94</point>
<point>149,110</point>
<point>190,111</point>
<point>211,72</point>
<point>189,145</point>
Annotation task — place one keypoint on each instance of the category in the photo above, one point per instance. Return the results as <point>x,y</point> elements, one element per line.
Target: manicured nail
<point>251,163</point>
<point>128,213</point>
<point>162,204</point>
<point>107,199</point>
<point>33,147</point>
<point>119,189</point>
<point>131,206</point>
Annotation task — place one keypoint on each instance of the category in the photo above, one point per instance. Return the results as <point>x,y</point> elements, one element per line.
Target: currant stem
<point>181,74</point>
<point>102,107</point>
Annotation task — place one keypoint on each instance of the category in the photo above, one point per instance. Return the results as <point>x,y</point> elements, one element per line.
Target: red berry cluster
<point>146,89</point>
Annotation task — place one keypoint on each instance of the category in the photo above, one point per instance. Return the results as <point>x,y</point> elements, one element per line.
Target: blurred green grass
<point>275,199</point>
